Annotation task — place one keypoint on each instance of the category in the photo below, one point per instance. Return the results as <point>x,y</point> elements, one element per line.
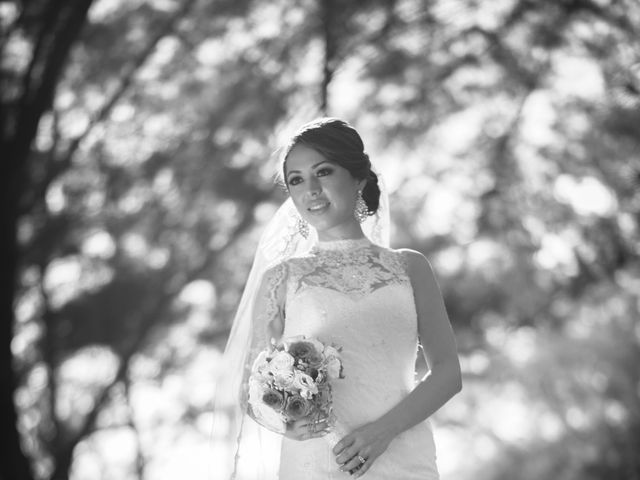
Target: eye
<point>324,171</point>
<point>295,180</point>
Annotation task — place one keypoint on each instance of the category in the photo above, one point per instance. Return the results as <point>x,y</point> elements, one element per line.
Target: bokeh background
<point>139,142</point>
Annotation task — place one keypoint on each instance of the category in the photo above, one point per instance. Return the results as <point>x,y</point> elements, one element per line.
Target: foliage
<point>507,133</point>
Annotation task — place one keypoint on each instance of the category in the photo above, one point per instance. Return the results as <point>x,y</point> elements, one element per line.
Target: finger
<point>342,444</point>
<point>310,430</point>
<point>308,433</point>
<point>314,429</point>
<point>347,454</point>
<point>351,465</point>
<point>320,425</point>
<point>298,433</point>
<point>297,426</point>
<point>355,464</point>
<point>323,426</point>
<point>322,433</point>
<point>363,468</point>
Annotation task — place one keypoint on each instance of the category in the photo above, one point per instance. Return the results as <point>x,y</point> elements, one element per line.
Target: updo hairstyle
<point>340,143</point>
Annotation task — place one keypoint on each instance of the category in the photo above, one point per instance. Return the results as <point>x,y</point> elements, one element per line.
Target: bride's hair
<point>340,143</point>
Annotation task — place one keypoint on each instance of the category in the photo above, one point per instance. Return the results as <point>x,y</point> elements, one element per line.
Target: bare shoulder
<point>419,268</point>
<point>412,255</point>
<point>415,259</point>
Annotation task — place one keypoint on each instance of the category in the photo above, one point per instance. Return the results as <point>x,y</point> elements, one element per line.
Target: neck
<point>354,233</point>
<point>346,244</point>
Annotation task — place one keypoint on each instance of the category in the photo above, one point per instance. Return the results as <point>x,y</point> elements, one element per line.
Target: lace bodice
<point>353,267</point>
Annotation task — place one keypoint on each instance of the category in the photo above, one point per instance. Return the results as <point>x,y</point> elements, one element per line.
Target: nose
<point>314,187</point>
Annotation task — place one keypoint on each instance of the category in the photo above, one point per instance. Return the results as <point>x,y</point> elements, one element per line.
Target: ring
<point>362,459</point>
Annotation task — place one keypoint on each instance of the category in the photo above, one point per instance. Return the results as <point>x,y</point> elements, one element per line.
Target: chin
<point>326,225</point>
<point>320,224</point>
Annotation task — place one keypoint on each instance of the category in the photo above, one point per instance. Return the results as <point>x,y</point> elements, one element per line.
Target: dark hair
<point>338,142</point>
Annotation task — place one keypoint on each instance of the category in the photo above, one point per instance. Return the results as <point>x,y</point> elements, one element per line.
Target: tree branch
<point>328,67</point>
<point>161,303</point>
<point>126,81</point>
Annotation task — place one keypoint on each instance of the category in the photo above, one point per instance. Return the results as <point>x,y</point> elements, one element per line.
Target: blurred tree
<point>507,132</point>
<point>36,40</point>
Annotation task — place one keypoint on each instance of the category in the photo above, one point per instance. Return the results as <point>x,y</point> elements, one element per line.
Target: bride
<point>323,268</point>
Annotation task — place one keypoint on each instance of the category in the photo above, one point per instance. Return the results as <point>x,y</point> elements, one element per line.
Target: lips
<point>318,207</point>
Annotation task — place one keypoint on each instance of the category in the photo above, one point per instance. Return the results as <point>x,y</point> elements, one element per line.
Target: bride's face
<point>323,192</point>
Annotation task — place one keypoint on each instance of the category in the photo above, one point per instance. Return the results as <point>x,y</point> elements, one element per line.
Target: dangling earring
<point>302,226</point>
<point>361,209</point>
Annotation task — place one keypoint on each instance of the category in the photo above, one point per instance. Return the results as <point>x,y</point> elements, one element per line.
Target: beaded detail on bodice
<point>352,267</point>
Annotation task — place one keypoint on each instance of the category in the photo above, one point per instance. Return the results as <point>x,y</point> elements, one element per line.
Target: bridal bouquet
<point>292,381</point>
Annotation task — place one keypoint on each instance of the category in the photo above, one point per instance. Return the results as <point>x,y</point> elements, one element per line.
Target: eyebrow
<point>312,166</point>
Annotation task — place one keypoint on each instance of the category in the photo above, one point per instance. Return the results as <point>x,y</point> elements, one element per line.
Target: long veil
<point>248,451</point>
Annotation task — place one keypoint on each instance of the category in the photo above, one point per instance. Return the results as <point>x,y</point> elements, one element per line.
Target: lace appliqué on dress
<point>267,309</point>
<point>272,309</point>
<point>354,272</point>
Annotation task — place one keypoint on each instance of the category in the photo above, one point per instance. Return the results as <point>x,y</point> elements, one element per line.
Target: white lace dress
<point>358,295</point>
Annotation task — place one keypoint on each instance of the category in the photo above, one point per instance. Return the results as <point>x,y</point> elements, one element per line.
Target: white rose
<point>305,384</point>
<point>331,351</point>
<point>281,363</point>
<point>284,379</point>
<point>260,364</point>
<point>334,365</point>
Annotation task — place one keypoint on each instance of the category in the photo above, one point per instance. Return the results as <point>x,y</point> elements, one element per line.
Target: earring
<point>302,226</point>
<point>361,211</point>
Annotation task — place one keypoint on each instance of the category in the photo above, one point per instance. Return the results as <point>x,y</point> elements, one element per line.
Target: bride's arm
<point>441,383</point>
<point>267,320</point>
<point>438,342</point>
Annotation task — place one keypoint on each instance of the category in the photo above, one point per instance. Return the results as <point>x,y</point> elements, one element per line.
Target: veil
<point>244,449</point>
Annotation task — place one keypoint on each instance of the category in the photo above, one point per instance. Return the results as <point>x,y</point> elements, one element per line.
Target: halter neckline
<point>344,244</point>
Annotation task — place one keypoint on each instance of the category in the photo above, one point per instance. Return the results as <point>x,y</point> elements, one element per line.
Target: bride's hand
<point>306,429</point>
<point>366,443</point>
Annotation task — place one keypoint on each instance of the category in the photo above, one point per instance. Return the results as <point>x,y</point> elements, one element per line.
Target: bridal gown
<point>358,295</point>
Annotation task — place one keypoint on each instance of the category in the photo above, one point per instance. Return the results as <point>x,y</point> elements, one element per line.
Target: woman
<point>378,304</point>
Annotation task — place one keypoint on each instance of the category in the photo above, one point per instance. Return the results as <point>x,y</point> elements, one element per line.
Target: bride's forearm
<point>442,383</point>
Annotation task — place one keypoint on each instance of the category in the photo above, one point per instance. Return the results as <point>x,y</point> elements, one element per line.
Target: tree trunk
<point>59,26</point>
<point>329,32</point>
